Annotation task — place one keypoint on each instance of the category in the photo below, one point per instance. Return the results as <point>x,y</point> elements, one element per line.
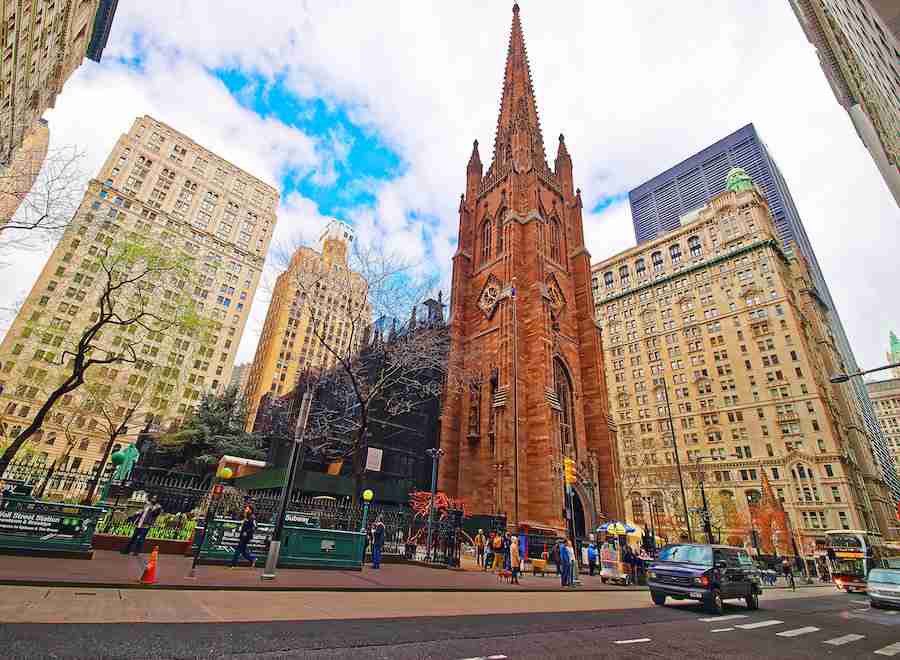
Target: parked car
<point>883,587</point>
<point>710,574</point>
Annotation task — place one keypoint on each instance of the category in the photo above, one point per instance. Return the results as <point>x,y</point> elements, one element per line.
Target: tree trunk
<point>89,496</point>
<point>71,383</point>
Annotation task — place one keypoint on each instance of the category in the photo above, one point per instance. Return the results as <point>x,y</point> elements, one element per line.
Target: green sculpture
<point>738,180</point>
<point>129,457</point>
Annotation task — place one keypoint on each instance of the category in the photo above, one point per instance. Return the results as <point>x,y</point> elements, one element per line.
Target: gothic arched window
<point>566,416</point>
<point>640,268</point>
<point>555,240</point>
<point>500,214</point>
<point>486,240</point>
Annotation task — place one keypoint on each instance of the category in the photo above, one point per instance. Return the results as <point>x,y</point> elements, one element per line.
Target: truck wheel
<point>658,598</point>
<point>714,604</point>
<point>752,602</point>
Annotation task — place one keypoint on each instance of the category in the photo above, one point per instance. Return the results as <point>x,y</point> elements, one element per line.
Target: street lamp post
<point>843,378</point>
<point>296,453</point>
<point>649,501</point>
<point>704,512</point>
<point>687,517</point>
<point>367,498</point>
<point>224,474</point>
<point>435,453</point>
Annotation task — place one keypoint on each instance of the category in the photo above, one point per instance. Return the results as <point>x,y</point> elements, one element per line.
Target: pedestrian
<point>592,558</point>
<point>479,548</point>
<point>573,564</point>
<point>515,560</point>
<point>488,552</point>
<point>507,544</point>
<point>245,536</point>
<point>788,574</point>
<point>498,552</point>
<point>562,566</point>
<point>377,542</point>
<point>554,555</point>
<point>143,520</point>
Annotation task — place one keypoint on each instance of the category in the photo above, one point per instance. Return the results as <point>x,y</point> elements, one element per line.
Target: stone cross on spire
<point>518,138</point>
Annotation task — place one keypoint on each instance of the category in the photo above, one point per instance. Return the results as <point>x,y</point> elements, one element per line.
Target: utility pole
<point>687,517</point>
<point>435,453</point>
<point>287,488</point>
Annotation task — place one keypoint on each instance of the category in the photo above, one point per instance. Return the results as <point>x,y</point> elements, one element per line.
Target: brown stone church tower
<point>526,387</point>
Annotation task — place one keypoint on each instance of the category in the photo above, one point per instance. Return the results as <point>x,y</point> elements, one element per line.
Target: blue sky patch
<point>366,162</point>
<point>608,200</point>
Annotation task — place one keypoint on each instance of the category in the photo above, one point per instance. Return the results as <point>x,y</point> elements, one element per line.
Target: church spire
<point>518,108</point>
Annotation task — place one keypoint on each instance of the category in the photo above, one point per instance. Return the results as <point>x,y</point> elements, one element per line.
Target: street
<point>622,625</point>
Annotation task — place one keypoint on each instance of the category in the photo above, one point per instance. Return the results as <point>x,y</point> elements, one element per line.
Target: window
<point>694,246</point>
<point>828,470</point>
<point>566,416</point>
<point>608,279</point>
<point>486,239</point>
<point>623,275</point>
<point>675,254</point>
<point>657,259</point>
<point>555,240</point>
<point>640,269</point>
<point>500,214</point>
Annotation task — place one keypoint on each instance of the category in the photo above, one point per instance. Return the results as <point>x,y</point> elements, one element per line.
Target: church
<point>526,387</point>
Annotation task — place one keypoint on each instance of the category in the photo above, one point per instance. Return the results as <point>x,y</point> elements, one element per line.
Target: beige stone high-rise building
<point>41,45</point>
<point>17,178</point>
<point>858,44</point>
<point>720,315</point>
<point>239,378</point>
<point>885,395</point>
<point>157,187</point>
<point>317,294</point>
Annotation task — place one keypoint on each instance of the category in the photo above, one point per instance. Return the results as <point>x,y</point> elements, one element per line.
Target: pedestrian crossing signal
<point>570,472</point>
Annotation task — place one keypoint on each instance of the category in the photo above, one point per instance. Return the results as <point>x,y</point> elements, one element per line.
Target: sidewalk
<point>114,570</point>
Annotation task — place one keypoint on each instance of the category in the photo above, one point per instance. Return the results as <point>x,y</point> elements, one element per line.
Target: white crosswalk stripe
<point>796,632</point>
<point>891,649</point>
<point>717,630</point>
<point>633,641</point>
<point>846,639</point>
<point>713,619</point>
<point>759,624</point>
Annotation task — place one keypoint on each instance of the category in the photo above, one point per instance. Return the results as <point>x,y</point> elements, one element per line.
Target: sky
<point>367,114</point>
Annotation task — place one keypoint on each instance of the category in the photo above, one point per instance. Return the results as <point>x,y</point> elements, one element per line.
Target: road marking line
<point>633,641</point>
<point>796,632</point>
<point>759,624</point>
<point>487,657</point>
<point>894,612</point>
<point>715,630</point>
<point>892,649</point>
<point>846,639</point>
<point>725,618</point>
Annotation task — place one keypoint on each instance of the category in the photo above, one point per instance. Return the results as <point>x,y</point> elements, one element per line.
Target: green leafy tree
<point>129,310</point>
<point>214,430</point>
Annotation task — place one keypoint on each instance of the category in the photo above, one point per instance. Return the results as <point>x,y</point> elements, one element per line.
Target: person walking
<point>245,535</point>
<point>377,541</point>
<point>479,548</point>
<point>555,555</point>
<point>788,574</point>
<point>498,552</point>
<point>507,544</point>
<point>592,557</point>
<point>573,564</point>
<point>143,520</point>
<point>515,561</point>
<point>488,552</point>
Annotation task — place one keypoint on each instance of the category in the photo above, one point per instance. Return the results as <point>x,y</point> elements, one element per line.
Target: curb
<point>338,589</point>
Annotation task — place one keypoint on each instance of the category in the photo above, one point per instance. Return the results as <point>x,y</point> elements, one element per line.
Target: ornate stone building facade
<point>526,368</point>
<point>726,322</point>
<point>41,45</point>
<point>886,399</point>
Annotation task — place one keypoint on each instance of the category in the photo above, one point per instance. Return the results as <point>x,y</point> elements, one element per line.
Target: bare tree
<point>138,297</point>
<point>40,190</point>
<point>373,361</point>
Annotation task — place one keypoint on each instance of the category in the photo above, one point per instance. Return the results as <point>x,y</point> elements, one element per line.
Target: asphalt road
<point>833,625</point>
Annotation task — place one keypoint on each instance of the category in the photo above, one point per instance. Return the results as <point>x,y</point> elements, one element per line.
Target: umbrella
<point>617,528</point>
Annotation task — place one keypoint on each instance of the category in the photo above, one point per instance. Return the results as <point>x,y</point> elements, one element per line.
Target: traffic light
<point>570,472</point>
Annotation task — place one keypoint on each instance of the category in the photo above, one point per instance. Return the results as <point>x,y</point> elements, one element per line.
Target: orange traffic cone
<point>149,576</point>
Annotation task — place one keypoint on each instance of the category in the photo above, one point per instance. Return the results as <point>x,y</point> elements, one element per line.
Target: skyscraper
<point>157,188</point>
<point>722,315</point>
<point>658,206</point>
<point>523,335</point>
<point>43,43</point>
<point>317,296</point>
<point>858,44</point>
<point>17,178</point>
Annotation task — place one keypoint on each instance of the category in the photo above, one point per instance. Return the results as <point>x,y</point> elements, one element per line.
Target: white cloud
<point>636,87</point>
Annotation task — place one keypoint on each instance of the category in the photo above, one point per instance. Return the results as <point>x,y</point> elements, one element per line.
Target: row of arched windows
<point>491,238</point>
<point>657,263</point>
